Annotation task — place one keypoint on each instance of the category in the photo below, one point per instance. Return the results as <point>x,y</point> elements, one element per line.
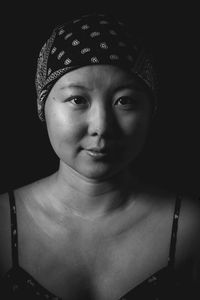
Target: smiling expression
<point>97,119</point>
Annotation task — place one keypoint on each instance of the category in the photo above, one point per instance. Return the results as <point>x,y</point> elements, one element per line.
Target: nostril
<point>99,121</point>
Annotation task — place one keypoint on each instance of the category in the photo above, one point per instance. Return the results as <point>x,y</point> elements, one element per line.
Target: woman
<point>93,230</point>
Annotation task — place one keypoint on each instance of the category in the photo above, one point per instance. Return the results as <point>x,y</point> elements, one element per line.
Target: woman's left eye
<point>126,102</point>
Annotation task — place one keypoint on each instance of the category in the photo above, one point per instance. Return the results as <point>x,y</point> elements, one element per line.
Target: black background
<point>172,156</point>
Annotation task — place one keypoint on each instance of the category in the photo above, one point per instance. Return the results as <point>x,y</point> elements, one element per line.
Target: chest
<point>99,266</point>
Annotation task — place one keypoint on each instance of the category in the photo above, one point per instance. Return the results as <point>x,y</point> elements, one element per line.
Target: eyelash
<point>132,102</point>
<point>76,98</point>
<point>131,105</point>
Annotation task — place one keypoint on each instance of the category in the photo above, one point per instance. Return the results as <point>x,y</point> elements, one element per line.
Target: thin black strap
<point>14,240</point>
<point>172,251</point>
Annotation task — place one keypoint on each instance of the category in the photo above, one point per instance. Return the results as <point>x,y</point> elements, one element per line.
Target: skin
<point>103,112</point>
<point>109,109</point>
<point>90,222</point>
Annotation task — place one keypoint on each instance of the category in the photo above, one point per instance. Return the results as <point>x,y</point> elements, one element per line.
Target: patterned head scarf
<point>91,40</point>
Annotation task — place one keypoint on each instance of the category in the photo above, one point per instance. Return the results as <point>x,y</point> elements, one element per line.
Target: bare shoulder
<point>188,242</point>
<point>21,194</point>
<point>188,237</point>
<point>189,225</point>
<point>188,234</point>
<point>5,234</point>
<point>187,255</point>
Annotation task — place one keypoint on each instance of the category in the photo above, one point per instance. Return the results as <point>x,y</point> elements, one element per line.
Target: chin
<point>100,172</point>
<point>97,173</point>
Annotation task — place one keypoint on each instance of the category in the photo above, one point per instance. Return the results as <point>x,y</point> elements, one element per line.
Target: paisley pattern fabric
<point>163,285</point>
<point>91,40</point>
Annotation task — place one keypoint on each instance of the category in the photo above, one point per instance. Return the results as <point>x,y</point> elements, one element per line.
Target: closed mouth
<point>97,152</point>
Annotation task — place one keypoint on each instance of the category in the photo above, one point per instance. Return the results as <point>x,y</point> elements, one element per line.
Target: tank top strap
<point>14,239</point>
<point>172,250</point>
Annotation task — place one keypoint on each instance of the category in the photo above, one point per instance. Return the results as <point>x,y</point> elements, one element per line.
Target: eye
<point>77,101</point>
<point>126,102</point>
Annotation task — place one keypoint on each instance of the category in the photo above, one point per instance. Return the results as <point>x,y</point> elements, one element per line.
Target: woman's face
<point>97,119</point>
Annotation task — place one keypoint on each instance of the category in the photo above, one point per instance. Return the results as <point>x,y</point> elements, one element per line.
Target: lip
<point>97,149</point>
<point>97,152</point>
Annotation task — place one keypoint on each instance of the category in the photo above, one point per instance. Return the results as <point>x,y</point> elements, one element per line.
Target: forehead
<point>100,76</point>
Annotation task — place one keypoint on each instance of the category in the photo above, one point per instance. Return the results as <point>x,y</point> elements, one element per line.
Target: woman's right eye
<point>77,100</point>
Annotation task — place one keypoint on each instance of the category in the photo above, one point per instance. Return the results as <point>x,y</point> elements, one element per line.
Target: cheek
<point>63,128</point>
<point>135,125</point>
<point>136,131</point>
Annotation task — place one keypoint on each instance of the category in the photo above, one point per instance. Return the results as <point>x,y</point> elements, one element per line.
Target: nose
<point>100,120</point>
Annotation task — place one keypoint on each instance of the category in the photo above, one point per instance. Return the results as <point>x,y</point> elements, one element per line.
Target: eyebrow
<point>129,85</point>
<point>77,86</point>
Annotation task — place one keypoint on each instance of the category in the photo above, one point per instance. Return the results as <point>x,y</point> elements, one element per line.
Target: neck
<point>91,197</point>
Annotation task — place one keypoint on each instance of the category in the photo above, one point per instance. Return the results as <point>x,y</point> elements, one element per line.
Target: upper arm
<point>196,267</point>
<point>188,239</point>
<point>5,235</point>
